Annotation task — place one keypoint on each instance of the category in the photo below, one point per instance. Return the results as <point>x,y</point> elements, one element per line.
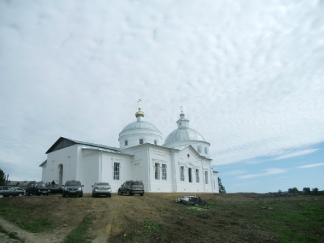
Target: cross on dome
<point>139,114</point>
<point>181,109</point>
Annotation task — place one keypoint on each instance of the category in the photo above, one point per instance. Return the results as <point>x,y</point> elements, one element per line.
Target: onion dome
<point>139,132</point>
<point>184,135</point>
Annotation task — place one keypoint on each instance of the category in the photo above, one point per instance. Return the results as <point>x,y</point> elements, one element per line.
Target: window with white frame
<point>116,171</point>
<point>182,173</point>
<point>155,142</point>
<point>141,141</point>
<point>189,175</point>
<point>157,171</point>
<point>206,177</point>
<point>164,171</point>
<point>126,142</point>
<point>197,175</point>
<point>206,150</point>
<point>199,149</point>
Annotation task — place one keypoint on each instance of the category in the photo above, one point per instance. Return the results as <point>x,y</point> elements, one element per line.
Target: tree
<point>293,190</point>
<point>2,178</point>
<point>220,186</point>
<point>307,190</point>
<point>315,191</point>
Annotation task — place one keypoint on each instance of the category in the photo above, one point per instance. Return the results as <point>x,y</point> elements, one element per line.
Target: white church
<point>181,164</point>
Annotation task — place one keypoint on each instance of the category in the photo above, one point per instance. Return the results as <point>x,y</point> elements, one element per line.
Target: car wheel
<point>127,193</point>
<point>81,195</point>
<point>109,195</point>
<point>63,195</point>
<point>141,194</point>
<point>119,193</point>
<point>47,194</point>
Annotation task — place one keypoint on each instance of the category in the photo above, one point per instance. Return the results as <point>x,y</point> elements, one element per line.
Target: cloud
<point>234,172</point>
<point>266,173</point>
<point>248,74</point>
<point>310,166</point>
<point>295,154</point>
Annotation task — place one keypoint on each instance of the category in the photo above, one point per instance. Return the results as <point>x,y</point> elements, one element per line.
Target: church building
<point>181,164</point>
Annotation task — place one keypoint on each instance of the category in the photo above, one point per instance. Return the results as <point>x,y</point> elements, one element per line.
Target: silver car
<point>101,188</point>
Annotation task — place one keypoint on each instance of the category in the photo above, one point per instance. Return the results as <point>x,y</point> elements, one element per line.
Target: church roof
<point>184,134</point>
<point>140,125</point>
<point>66,142</point>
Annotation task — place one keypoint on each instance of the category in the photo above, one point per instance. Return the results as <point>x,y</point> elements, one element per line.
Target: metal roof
<point>184,134</point>
<point>66,142</point>
<point>140,125</point>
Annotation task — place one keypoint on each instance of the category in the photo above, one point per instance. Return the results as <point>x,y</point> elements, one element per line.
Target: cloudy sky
<point>249,75</point>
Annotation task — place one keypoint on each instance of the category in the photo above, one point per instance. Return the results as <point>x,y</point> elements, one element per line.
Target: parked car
<point>22,190</point>
<point>72,188</point>
<point>7,191</point>
<point>101,188</point>
<point>131,188</point>
<point>55,189</point>
<point>37,189</point>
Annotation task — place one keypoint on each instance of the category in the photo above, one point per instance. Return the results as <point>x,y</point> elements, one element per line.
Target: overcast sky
<point>249,75</point>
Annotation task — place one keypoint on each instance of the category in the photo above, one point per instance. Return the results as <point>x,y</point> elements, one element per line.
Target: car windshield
<point>137,183</point>
<point>41,185</point>
<point>73,183</point>
<point>102,184</point>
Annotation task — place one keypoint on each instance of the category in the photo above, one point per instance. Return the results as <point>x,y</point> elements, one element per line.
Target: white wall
<point>90,165</point>
<point>94,165</point>
<point>133,136</point>
<point>68,158</point>
<point>194,144</point>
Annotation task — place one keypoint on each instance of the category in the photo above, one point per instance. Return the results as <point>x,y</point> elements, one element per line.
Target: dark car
<point>37,189</point>
<point>101,188</point>
<point>55,189</point>
<point>131,188</point>
<point>7,191</point>
<point>72,188</point>
<point>20,191</point>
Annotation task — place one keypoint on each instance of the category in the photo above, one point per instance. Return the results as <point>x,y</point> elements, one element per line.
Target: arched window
<point>206,150</point>
<point>199,149</point>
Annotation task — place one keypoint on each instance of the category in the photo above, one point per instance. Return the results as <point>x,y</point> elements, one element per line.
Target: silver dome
<point>140,125</point>
<point>184,134</point>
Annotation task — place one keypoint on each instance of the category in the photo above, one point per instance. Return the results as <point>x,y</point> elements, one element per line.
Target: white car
<point>101,188</point>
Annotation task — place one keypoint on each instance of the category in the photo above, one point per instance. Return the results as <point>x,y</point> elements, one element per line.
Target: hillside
<point>157,218</point>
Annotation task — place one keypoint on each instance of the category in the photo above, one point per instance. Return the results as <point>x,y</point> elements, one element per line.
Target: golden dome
<point>139,113</point>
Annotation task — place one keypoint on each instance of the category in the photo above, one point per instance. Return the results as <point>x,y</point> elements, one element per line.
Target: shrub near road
<point>157,218</point>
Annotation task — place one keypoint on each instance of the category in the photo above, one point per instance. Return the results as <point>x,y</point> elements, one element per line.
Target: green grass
<point>150,228</point>
<point>79,235</point>
<point>300,221</point>
<point>24,219</point>
<point>297,223</point>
